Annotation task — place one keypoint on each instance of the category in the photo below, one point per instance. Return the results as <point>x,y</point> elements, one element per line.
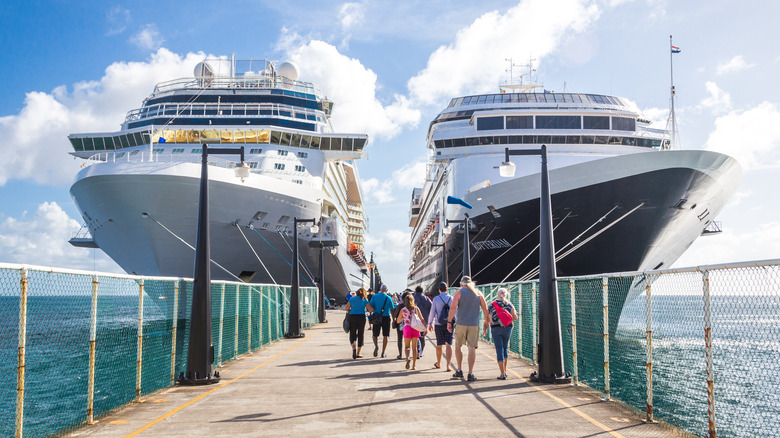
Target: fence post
<point>649,353</point>
<point>249,323</point>
<point>140,353</point>
<point>92,339</point>
<point>708,351</point>
<point>605,302</point>
<point>235,334</point>
<point>575,374</point>
<point>22,345</point>
<point>174,328</point>
<point>534,322</point>
<point>221,323</point>
<point>520,319</point>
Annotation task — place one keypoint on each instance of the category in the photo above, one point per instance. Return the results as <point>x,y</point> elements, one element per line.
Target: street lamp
<point>200,352</point>
<point>372,278</point>
<point>445,275</point>
<point>332,244</point>
<point>466,228</point>
<point>294,330</point>
<point>550,348</point>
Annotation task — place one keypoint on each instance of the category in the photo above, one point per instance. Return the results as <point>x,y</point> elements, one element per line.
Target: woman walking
<point>411,335</point>
<point>502,313</point>
<point>356,308</point>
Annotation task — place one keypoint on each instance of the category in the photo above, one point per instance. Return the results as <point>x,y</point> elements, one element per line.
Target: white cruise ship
<point>138,188</point>
<point>622,199</point>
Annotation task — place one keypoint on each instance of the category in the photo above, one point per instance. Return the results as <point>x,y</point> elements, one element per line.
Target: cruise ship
<point>623,199</point>
<point>138,187</point>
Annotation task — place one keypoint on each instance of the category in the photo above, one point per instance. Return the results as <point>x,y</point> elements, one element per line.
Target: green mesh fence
<point>132,315</point>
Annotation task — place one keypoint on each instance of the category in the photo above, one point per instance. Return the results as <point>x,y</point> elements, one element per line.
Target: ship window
<point>543,139</point>
<point>300,168</point>
<point>558,122</point>
<point>196,151</point>
<point>303,155</point>
<point>623,124</point>
<point>285,139</point>
<point>448,143</point>
<point>325,144</point>
<point>514,139</point>
<point>278,166</point>
<point>281,152</point>
<point>77,144</point>
<point>519,122</point>
<point>601,139</point>
<point>135,152</point>
<point>177,150</point>
<point>275,136</point>
<point>439,143</point>
<point>529,139</point>
<point>486,123</point>
<point>120,155</point>
<point>139,139</point>
<point>573,139</point>
<point>595,122</point>
<point>295,140</point>
<point>360,143</point>
<point>486,140</point>
<point>305,141</point>
<point>109,141</point>
<point>88,145</point>
<point>629,141</point>
<point>457,142</point>
<point>255,151</point>
<point>315,142</point>
<point>118,142</point>
<point>297,181</point>
<point>346,144</point>
<point>472,141</point>
<point>252,164</point>
<point>128,138</point>
<point>587,139</point>
<point>559,139</point>
<point>482,99</point>
<point>158,150</point>
<point>615,140</point>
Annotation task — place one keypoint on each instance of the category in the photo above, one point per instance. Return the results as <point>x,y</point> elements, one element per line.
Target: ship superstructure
<point>138,188</point>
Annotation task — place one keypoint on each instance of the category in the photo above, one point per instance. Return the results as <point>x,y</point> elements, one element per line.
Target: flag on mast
<point>675,49</point>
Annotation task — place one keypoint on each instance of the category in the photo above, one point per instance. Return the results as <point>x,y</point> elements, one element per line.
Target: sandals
<point>407,363</point>
<point>436,365</point>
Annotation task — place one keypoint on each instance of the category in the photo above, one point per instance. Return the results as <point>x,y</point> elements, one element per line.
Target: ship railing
<point>677,346</point>
<point>223,110</point>
<point>74,318</point>
<point>246,82</point>
<point>156,157</point>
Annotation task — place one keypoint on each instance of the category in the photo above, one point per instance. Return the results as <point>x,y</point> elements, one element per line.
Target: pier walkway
<point>313,387</point>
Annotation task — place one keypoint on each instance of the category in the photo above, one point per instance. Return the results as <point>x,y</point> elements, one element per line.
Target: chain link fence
<point>82,345</point>
<point>698,348</point>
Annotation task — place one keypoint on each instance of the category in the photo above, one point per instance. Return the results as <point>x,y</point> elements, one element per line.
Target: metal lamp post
<point>466,228</point>
<point>294,329</point>
<point>550,349</point>
<point>445,274</point>
<point>321,280</point>
<point>200,352</point>
<point>372,277</point>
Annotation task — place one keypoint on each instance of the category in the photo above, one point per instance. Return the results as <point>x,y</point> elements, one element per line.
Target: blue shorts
<point>442,335</point>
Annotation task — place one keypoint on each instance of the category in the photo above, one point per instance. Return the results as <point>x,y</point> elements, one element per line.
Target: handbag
<point>376,318</point>
<point>504,317</point>
<point>345,324</point>
<point>416,323</point>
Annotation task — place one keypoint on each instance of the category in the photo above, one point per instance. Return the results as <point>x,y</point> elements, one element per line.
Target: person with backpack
<point>437,322</point>
<point>502,313</point>
<point>380,305</point>
<point>424,303</point>
<point>413,324</point>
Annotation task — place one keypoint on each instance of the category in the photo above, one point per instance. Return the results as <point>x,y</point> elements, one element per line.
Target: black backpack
<point>445,312</point>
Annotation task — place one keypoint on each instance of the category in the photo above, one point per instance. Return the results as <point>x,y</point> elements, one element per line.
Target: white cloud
<point>731,246</point>
<point>407,177</point>
<point>749,136</point>
<point>117,20</point>
<point>43,240</point>
<point>380,191</point>
<point>148,38</point>
<point>351,86</point>
<point>474,62</point>
<point>733,65</point>
<point>391,251</point>
<point>38,133</point>
<point>351,14</point>
<point>718,101</point>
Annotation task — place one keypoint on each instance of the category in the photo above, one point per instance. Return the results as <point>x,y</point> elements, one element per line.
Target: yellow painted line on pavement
<point>561,401</point>
<point>221,385</point>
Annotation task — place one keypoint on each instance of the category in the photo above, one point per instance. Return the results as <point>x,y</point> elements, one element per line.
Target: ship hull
<point>624,213</point>
<point>145,218</point>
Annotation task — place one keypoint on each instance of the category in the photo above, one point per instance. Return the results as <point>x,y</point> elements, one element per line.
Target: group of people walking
<point>448,317</point>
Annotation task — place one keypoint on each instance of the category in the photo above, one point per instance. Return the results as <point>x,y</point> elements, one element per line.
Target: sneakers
<point>384,355</point>
<point>458,374</point>
<point>471,378</point>
<point>376,350</point>
<point>501,377</point>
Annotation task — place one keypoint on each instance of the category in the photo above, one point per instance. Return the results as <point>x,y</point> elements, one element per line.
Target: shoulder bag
<point>376,318</point>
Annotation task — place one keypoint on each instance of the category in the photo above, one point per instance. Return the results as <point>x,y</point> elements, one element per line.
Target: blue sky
<point>389,67</point>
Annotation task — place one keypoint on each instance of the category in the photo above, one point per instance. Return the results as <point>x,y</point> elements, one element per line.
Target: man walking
<point>465,307</point>
<point>424,303</point>
<point>437,321</point>
<point>382,304</point>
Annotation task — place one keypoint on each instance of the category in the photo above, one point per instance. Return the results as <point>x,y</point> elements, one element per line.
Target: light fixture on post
<point>200,352</point>
<point>466,228</point>
<point>322,244</point>
<point>550,348</point>
<point>372,278</point>
<point>294,328</point>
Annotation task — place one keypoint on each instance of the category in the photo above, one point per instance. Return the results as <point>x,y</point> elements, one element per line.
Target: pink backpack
<point>504,317</point>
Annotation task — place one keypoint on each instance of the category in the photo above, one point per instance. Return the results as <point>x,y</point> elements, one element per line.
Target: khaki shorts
<point>466,334</point>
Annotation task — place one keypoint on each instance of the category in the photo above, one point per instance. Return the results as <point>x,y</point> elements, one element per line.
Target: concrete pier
<point>313,387</point>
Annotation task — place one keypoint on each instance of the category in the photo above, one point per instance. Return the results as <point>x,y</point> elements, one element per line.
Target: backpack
<point>504,317</point>
<point>445,312</point>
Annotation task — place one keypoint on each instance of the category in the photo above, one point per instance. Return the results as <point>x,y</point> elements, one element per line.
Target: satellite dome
<point>212,67</point>
<point>288,70</point>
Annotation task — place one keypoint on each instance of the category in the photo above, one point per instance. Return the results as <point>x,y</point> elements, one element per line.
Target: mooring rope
<point>303,262</point>
<point>535,248</point>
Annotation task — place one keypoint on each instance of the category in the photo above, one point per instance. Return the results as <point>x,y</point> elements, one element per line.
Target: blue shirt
<point>382,299</point>
<point>438,306</point>
<point>358,305</point>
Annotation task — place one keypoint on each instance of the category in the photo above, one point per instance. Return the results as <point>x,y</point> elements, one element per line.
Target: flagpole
<point>673,138</point>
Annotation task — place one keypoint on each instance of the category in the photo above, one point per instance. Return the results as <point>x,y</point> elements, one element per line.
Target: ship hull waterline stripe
<point>222,385</point>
